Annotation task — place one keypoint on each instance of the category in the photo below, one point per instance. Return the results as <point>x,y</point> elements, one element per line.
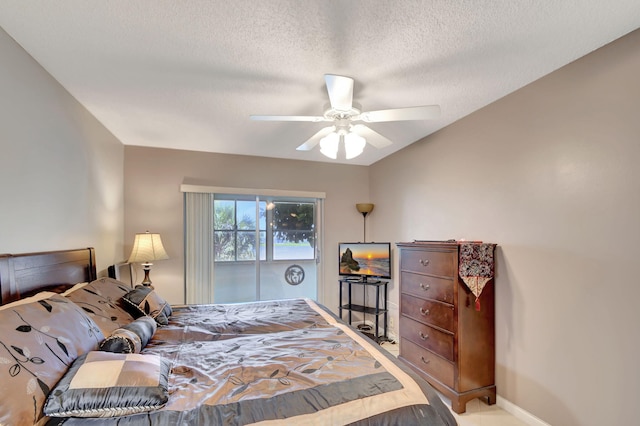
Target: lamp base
<point>147,268</point>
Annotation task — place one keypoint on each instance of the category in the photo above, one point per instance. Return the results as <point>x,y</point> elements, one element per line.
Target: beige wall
<point>154,202</point>
<point>62,171</point>
<point>551,174</point>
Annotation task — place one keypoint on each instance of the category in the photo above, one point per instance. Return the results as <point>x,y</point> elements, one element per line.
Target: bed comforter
<point>276,363</point>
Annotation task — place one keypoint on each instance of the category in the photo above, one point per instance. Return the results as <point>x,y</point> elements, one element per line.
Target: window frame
<point>269,231</point>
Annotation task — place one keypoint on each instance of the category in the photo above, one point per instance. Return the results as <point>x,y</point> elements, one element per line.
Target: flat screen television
<point>365,260</point>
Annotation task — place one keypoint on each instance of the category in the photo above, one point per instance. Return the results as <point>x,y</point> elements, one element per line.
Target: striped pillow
<point>131,338</point>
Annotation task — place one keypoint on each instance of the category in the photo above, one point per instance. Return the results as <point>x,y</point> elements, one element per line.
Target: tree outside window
<point>287,230</point>
<point>293,230</point>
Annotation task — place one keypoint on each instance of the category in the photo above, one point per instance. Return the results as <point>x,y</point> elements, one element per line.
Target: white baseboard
<point>519,413</point>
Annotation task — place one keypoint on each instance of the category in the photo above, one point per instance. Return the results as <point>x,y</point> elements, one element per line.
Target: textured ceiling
<point>187,74</point>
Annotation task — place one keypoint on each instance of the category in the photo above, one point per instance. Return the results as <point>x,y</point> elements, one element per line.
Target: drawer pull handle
<point>424,336</point>
<point>424,262</point>
<point>426,361</point>
<point>425,287</point>
<point>424,311</point>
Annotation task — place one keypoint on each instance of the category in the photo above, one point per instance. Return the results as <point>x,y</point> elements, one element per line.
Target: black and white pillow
<point>144,300</point>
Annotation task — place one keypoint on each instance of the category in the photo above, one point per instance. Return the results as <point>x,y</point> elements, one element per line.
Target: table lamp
<point>147,247</point>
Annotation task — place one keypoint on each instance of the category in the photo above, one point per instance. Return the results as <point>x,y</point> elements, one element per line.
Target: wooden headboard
<point>24,274</point>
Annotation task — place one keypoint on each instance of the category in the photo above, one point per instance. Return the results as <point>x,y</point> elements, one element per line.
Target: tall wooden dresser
<point>446,336</point>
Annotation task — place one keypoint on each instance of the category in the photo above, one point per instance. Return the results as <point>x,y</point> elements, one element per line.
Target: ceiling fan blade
<point>374,138</point>
<point>340,89</point>
<point>312,118</point>
<point>315,139</point>
<point>401,114</point>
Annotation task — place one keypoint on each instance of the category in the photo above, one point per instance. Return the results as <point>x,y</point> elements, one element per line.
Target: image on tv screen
<point>365,259</point>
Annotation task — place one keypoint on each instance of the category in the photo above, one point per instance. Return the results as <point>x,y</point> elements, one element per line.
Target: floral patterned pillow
<point>38,342</point>
<point>101,299</point>
<point>38,296</point>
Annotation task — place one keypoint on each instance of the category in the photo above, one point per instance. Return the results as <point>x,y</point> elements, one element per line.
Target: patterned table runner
<point>476,266</point>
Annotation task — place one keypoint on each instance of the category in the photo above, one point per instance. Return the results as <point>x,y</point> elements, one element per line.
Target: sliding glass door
<point>261,248</point>
<point>265,248</point>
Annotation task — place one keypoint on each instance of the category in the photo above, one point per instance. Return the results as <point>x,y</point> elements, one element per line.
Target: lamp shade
<point>364,208</point>
<point>353,145</point>
<point>329,145</point>
<point>147,247</point>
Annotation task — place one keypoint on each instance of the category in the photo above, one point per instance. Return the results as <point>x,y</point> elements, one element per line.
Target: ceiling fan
<point>345,116</point>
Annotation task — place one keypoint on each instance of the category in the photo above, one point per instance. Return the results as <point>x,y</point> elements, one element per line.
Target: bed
<point>77,349</point>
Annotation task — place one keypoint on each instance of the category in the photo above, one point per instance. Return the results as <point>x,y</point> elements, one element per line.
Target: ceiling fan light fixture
<point>329,145</point>
<point>353,145</point>
<point>345,114</point>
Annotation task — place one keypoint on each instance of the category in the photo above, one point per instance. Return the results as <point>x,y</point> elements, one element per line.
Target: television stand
<point>362,280</point>
<point>376,310</point>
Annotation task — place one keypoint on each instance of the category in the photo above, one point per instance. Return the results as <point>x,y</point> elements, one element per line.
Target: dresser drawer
<point>427,287</point>
<point>429,262</point>
<point>428,362</point>
<point>427,337</point>
<point>428,312</point>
